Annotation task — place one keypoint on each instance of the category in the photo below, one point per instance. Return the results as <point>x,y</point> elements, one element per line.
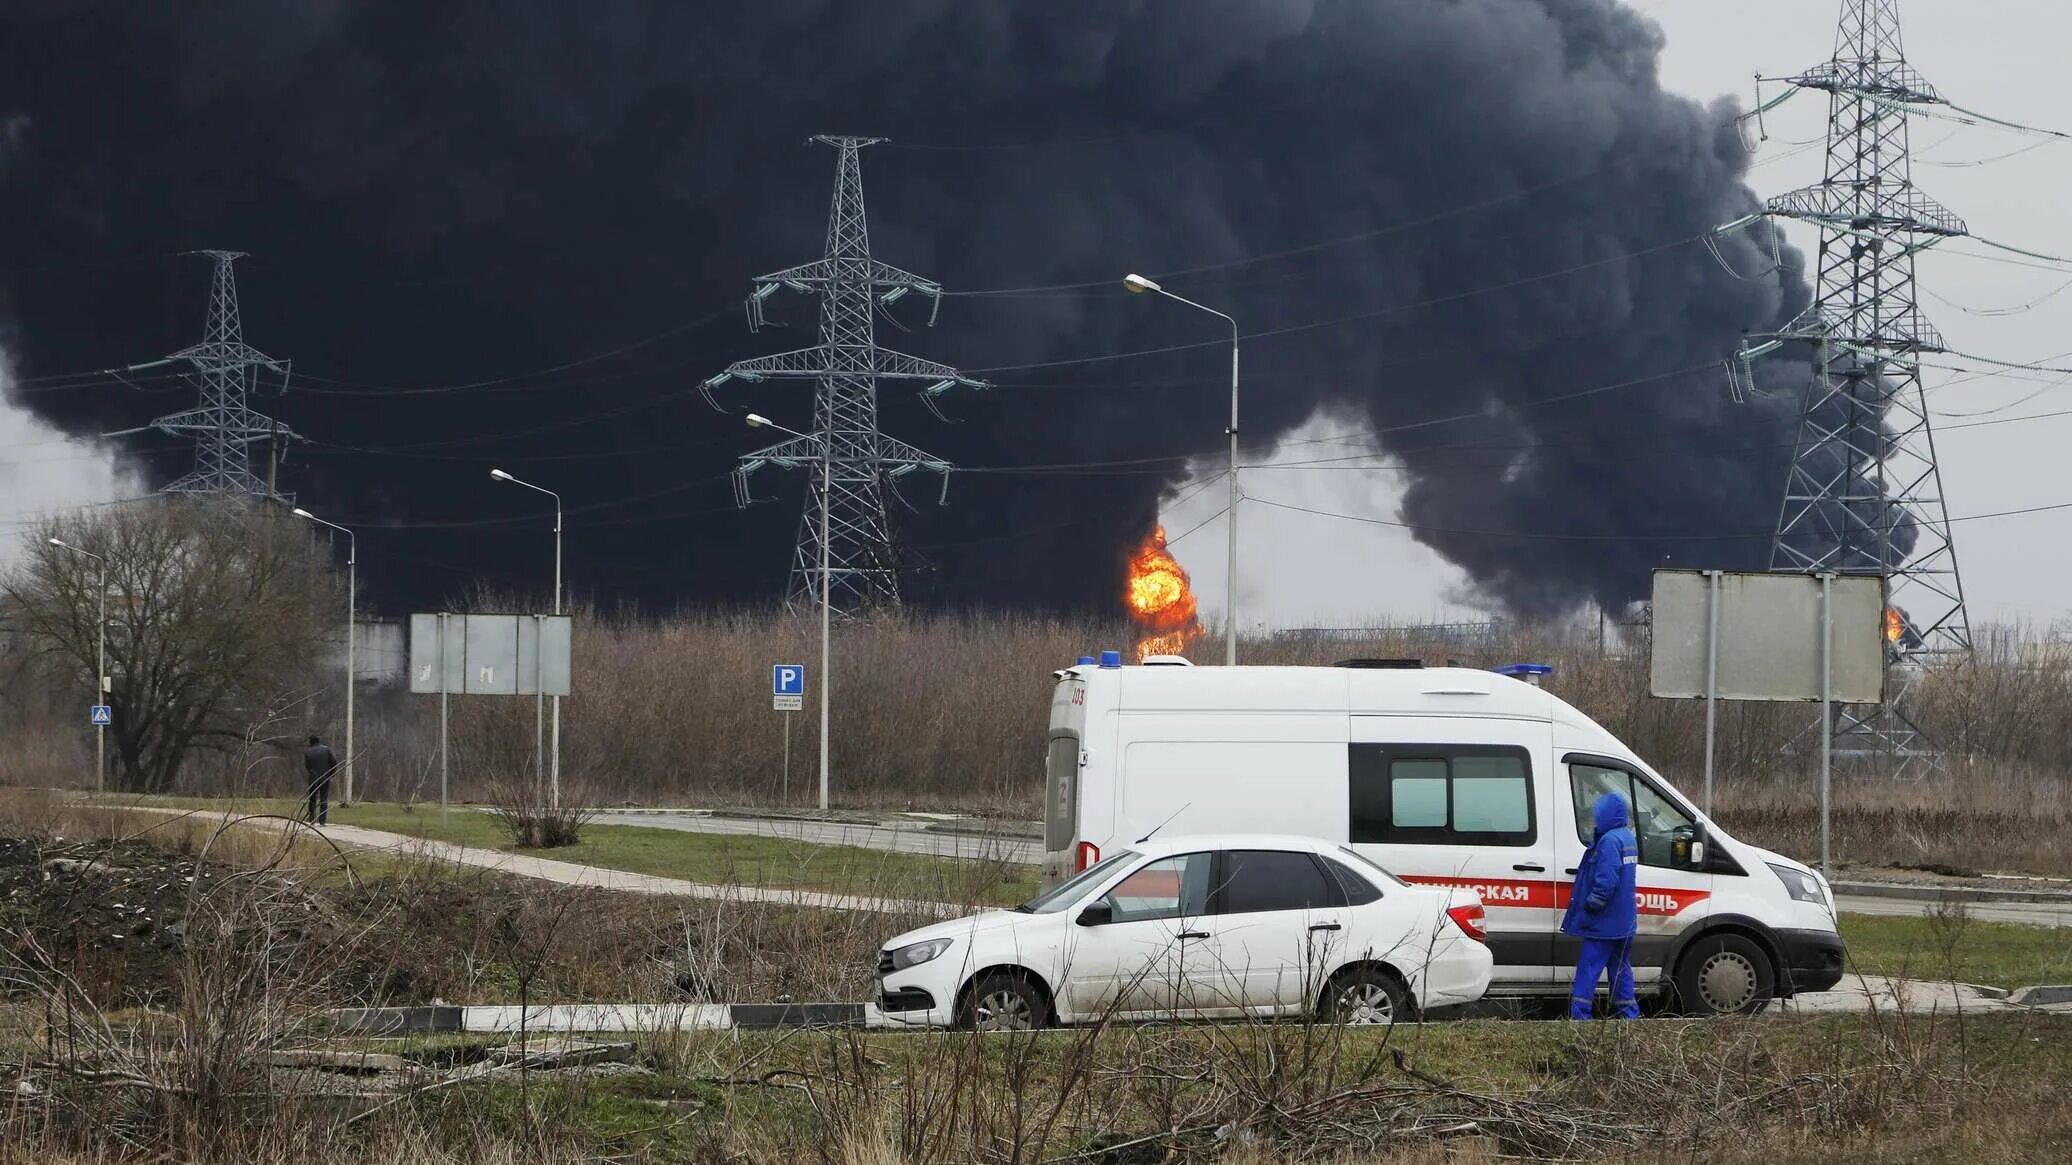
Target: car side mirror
<point>1698,854</point>
<point>1099,914</point>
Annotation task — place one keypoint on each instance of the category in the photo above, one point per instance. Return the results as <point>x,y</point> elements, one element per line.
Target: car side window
<point>1175,887</point>
<point>1255,881</point>
<point>1357,890</point>
<point>1588,782</point>
<point>1657,821</point>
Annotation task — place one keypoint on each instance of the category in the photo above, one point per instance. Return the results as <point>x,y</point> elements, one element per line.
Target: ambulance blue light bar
<point>1529,672</point>
<point>1111,659</point>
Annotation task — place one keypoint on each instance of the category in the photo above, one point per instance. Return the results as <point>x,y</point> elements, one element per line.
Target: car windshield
<point>1370,863</point>
<point>1063,896</point>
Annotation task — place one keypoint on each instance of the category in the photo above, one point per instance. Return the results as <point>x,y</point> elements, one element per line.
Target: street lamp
<point>1138,285</point>
<point>100,663</point>
<point>352,621</point>
<point>756,421</point>
<point>554,788</point>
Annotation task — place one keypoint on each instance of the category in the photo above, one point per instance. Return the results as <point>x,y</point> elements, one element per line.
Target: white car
<point>1211,927</point>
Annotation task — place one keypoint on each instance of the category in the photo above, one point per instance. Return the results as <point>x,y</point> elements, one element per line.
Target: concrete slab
<point>599,1017</point>
<point>327,1060</point>
<point>562,1052</point>
<point>1878,992</point>
<point>2043,996</point>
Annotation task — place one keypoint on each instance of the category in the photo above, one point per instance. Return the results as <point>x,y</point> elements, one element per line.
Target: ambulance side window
<point>1440,795</point>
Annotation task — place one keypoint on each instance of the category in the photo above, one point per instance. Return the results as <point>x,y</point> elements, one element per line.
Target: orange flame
<point>1159,598</point>
<point>1895,625</point>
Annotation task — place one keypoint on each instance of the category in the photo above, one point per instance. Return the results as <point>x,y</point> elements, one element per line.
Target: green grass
<point>719,859</point>
<point>1999,954</point>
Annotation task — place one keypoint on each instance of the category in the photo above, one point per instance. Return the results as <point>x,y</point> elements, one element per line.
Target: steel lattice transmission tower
<point>1864,493</point>
<point>222,426</point>
<point>859,461</point>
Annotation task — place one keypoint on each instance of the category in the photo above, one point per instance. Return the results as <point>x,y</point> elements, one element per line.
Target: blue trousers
<point>1598,957</point>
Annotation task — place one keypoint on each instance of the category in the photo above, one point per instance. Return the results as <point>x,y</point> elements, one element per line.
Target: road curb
<point>778,815</point>
<point>1914,893</point>
<point>395,1021</point>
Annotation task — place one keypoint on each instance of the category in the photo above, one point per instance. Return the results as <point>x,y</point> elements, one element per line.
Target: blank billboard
<point>490,655</point>
<point>1769,636</point>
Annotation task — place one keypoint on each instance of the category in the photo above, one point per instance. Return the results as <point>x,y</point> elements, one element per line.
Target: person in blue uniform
<point>1603,911</point>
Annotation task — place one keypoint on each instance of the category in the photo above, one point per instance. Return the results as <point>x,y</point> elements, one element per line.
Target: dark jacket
<point>1604,903</point>
<point>317,761</point>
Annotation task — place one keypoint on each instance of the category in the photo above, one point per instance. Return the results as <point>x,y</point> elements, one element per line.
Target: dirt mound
<point>111,914</point>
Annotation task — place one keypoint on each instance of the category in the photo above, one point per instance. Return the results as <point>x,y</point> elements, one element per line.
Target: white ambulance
<point>1444,776</point>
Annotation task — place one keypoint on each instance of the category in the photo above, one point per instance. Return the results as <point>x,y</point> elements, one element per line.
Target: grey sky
<point>2002,57</point>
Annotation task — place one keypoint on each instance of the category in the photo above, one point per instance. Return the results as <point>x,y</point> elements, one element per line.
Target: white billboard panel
<point>1768,636</point>
<point>490,655</point>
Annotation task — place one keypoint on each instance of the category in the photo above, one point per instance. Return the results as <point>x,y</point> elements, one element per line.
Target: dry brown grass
<point>180,1084</point>
<point>948,712</point>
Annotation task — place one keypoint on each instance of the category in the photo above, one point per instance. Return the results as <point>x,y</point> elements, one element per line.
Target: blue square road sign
<point>787,679</point>
<point>103,715</point>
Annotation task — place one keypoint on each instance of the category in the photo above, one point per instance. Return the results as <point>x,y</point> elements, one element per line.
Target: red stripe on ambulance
<point>1547,894</point>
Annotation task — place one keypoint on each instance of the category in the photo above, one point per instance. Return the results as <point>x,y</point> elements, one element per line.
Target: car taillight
<point>1470,920</point>
<point>1089,853</point>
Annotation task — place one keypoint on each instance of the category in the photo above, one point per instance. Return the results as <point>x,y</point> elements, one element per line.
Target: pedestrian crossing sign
<point>103,715</point>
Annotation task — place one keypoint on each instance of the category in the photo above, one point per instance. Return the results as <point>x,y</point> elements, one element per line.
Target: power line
<point>1750,534</point>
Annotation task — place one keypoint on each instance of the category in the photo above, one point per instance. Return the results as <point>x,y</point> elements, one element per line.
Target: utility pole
<point>100,658</point>
<point>1864,465</point>
<point>844,520</point>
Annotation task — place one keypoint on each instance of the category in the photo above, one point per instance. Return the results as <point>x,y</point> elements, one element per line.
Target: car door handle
<point>1325,926</point>
<point>1571,870</point>
<point>1188,934</point>
<point>1530,868</point>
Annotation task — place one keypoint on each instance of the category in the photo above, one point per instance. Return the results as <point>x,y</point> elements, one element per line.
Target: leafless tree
<point>215,609</point>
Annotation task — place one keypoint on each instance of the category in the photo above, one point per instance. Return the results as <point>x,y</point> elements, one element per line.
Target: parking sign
<point>787,687</point>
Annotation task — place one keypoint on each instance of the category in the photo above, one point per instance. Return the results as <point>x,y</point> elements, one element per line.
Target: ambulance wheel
<point>1724,974</point>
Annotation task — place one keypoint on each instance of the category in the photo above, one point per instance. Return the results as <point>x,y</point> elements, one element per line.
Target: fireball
<point>1159,598</point>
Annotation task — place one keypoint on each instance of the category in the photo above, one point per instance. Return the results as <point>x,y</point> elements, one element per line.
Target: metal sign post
<point>787,695</point>
<point>442,721</point>
<point>1712,581</point>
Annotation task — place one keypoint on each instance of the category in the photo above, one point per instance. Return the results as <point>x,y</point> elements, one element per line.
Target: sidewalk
<point>573,874</point>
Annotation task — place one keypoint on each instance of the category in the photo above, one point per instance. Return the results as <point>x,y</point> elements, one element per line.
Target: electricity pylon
<point>1864,494</point>
<point>853,462</point>
<point>221,425</point>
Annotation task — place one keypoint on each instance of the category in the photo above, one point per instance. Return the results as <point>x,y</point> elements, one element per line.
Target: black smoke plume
<point>445,194</point>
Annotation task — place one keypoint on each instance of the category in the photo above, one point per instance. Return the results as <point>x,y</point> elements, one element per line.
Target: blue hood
<point>1610,813</point>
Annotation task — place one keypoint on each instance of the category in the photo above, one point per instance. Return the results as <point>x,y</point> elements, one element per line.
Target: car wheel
<point>1003,1003</point>
<point>1724,975</point>
<point>1366,997</point>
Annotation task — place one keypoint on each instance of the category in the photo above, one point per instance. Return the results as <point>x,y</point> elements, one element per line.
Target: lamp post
<point>1137,285</point>
<point>100,662</point>
<point>554,785</point>
<point>756,421</point>
<point>352,633</point>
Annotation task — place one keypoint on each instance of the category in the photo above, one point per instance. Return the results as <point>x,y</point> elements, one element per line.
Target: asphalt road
<point>2027,913</point>
<point>914,837</point>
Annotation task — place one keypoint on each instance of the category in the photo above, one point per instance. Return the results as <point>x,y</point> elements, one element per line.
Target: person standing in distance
<point>318,763</point>
<point>1604,911</point>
